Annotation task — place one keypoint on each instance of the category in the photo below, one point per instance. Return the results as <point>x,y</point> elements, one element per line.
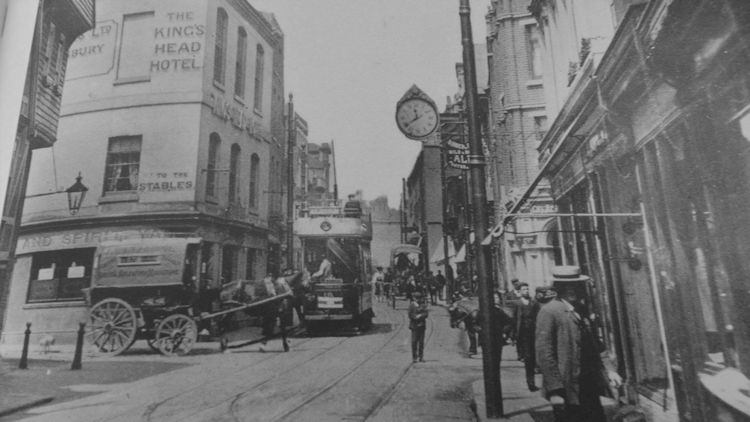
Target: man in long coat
<point>568,356</point>
<point>525,319</point>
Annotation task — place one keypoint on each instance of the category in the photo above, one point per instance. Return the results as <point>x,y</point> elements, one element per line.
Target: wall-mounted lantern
<point>76,194</point>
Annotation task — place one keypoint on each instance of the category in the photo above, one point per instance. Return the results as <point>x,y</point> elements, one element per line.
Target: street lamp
<point>76,193</point>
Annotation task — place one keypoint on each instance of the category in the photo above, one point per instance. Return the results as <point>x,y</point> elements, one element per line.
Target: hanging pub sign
<point>453,136</point>
<point>457,154</point>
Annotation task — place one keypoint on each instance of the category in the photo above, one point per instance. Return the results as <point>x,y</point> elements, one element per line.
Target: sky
<point>347,63</point>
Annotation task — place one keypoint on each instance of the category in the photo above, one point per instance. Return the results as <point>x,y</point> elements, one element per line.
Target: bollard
<point>24,363</point>
<point>79,347</point>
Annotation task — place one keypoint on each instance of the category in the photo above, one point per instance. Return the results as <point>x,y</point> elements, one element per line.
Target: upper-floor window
<point>123,164</point>
<point>540,126</point>
<point>234,166</point>
<point>220,45</point>
<point>214,142</point>
<point>254,174</point>
<point>134,60</point>
<point>239,68</point>
<point>534,51</point>
<point>259,65</point>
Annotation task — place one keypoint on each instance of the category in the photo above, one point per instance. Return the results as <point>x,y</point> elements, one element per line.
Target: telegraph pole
<point>404,221</point>
<point>291,141</point>
<point>446,260</point>
<point>490,337</point>
<point>335,180</point>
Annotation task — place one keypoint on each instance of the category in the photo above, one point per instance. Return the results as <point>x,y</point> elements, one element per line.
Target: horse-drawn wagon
<point>151,290</point>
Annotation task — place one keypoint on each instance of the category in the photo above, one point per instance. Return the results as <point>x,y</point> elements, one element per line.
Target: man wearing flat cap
<point>567,352</point>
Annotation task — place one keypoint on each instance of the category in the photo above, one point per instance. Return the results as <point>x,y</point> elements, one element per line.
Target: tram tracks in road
<point>385,396</point>
<point>148,414</point>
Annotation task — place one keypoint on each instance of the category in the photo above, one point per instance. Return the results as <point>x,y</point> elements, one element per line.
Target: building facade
<point>424,202</point>
<point>647,152</point>
<point>386,231</point>
<point>518,123</point>
<point>201,169</point>
<point>54,26</point>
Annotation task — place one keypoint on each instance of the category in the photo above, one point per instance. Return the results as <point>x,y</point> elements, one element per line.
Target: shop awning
<point>461,255</point>
<point>438,256</point>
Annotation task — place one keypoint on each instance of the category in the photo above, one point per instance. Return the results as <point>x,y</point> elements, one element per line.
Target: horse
<point>466,311</point>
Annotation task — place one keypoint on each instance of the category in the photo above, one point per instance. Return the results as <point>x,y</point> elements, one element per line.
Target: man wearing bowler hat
<point>567,351</point>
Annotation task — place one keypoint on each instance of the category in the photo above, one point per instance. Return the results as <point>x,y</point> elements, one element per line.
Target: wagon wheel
<point>176,335</point>
<point>113,326</point>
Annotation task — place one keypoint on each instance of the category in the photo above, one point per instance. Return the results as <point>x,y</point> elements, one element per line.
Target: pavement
<point>49,378</point>
<point>519,404</point>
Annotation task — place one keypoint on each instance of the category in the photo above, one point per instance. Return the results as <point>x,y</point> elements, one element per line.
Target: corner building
<point>168,115</point>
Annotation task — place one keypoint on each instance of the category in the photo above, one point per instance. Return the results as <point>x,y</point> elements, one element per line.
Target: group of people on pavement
<point>555,332</point>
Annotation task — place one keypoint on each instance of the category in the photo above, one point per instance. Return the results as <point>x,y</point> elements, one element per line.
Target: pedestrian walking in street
<point>567,351</point>
<point>440,280</point>
<point>525,320</point>
<point>410,287</point>
<point>378,280</point>
<point>432,288</point>
<point>418,325</point>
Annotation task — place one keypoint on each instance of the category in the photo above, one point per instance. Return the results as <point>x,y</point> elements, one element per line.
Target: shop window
<point>123,164</point>
<point>214,143</point>
<point>239,69</point>
<point>220,45</point>
<point>254,174</point>
<point>60,275</point>
<point>133,64</point>
<point>259,65</point>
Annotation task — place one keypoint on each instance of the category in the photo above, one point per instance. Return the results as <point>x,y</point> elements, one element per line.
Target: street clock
<point>417,116</point>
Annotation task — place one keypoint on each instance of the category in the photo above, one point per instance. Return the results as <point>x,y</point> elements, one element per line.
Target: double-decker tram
<point>336,252</point>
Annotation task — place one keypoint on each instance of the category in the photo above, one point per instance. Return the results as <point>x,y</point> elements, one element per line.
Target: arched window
<point>234,166</point>
<point>220,45</point>
<point>259,65</point>
<point>239,68</point>
<point>254,173</point>
<point>214,142</point>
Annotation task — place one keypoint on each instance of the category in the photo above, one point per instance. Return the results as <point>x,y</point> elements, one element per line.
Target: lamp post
<point>291,141</point>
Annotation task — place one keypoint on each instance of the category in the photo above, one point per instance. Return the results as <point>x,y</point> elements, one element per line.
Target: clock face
<point>416,118</point>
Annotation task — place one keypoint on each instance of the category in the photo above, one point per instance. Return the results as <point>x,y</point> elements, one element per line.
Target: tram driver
<point>324,270</point>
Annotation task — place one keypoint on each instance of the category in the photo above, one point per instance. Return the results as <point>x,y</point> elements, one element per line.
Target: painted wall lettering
<point>93,52</point>
<point>179,44</point>
<point>82,238</point>
<point>165,182</point>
